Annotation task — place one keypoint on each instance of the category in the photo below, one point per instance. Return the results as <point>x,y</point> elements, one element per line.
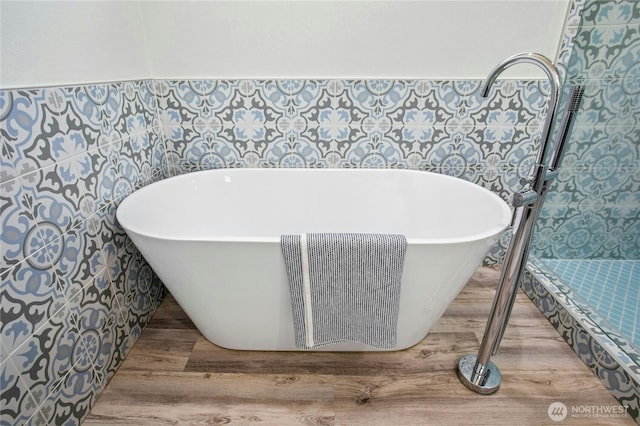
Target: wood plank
<point>208,357</point>
<point>162,349</point>
<point>170,316</point>
<point>175,376</point>
<point>135,397</point>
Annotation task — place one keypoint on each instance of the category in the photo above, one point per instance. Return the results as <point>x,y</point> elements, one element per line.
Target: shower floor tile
<point>610,287</point>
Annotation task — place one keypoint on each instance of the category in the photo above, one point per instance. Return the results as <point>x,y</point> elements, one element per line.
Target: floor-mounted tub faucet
<point>477,372</point>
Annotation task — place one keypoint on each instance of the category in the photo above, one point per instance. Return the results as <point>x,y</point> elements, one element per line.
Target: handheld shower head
<point>573,105</point>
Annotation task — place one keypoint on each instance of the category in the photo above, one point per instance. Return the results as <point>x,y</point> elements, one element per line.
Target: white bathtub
<point>213,237</point>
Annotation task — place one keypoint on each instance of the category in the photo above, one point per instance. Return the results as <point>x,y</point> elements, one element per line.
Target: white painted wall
<point>70,42</point>
<point>411,39</point>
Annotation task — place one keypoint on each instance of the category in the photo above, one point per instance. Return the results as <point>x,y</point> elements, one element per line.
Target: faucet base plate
<point>468,373</point>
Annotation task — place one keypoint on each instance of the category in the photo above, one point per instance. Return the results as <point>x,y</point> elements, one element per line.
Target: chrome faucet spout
<point>553,76</point>
<point>531,58</point>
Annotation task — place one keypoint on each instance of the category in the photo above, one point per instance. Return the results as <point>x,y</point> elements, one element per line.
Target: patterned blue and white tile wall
<point>442,126</point>
<point>75,292</point>
<point>593,210</point>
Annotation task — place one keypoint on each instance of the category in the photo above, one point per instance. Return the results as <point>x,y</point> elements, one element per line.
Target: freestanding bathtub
<point>213,238</point>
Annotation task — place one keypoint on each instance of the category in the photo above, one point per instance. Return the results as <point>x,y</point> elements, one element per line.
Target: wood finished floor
<point>174,376</point>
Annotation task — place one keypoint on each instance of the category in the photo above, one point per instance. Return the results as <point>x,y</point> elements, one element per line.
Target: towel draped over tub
<point>344,287</point>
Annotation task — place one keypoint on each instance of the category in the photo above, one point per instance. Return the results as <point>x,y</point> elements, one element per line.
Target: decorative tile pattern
<point>569,32</point>
<point>442,126</point>
<point>608,354</point>
<point>18,403</point>
<point>592,211</point>
<point>69,155</point>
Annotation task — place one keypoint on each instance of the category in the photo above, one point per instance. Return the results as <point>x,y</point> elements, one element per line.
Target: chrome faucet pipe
<point>478,373</point>
<point>575,97</point>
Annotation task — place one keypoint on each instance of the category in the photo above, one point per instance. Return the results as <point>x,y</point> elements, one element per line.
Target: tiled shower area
<point>585,274</point>
<point>76,293</point>
<point>610,287</point>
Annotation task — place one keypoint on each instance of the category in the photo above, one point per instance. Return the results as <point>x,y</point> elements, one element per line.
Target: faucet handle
<point>523,198</point>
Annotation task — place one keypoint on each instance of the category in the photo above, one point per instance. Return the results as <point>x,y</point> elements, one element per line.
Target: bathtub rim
<point>492,233</point>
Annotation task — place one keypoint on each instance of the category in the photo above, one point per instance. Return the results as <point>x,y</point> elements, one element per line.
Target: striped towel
<point>344,287</point>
